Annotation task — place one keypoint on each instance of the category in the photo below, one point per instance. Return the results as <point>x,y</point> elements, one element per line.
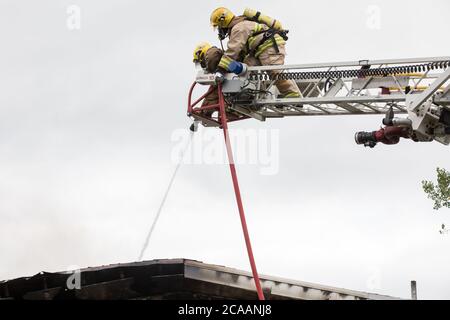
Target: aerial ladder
<point>417,88</point>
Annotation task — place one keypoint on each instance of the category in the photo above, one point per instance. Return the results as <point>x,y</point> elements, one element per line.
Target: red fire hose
<point>220,107</point>
<point>223,118</point>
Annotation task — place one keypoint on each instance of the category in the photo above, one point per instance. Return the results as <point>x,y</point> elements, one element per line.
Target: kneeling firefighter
<point>209,58</point>
<point>258,38</point>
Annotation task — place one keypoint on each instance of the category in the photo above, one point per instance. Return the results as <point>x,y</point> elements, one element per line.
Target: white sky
<point>86,119</point>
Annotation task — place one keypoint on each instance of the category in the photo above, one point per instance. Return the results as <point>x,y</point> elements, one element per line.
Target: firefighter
<point>251,36</point>
<point>208,57</point>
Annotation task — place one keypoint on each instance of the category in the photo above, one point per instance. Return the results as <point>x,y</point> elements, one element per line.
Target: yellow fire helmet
<point>200,51</point>
<point>221,17</point>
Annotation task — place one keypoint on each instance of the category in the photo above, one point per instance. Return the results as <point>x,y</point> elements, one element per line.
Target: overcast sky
<point>86,124</point>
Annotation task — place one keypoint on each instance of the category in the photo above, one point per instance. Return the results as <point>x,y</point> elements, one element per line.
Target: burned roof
<point>167,279</point>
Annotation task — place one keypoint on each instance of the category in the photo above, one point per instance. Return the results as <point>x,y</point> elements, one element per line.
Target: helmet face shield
<point>197,55</point>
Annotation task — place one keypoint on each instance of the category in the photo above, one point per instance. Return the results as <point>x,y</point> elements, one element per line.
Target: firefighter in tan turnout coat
<point>257,40</point>
<point>209,58</point>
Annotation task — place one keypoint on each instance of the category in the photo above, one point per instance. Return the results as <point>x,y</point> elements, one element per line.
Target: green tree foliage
<point>439,192</point>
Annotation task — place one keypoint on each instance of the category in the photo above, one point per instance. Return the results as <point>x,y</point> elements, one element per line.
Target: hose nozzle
<point>368,139</point>
<point>194,126</point>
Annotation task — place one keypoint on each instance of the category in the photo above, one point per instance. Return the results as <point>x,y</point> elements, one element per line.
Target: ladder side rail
<point>349,63</point>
